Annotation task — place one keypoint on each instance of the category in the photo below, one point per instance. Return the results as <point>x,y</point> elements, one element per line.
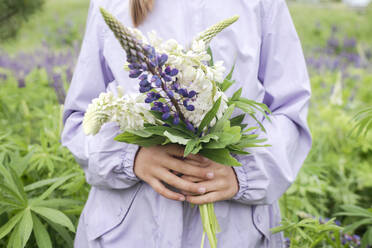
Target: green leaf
<point>367,238</point>
<point>54,215</point>
<point>191,144</point>
<point>13,193</point>
<point>5,229</point>
<point>357,224</point>
<point>228,137</point>
<point>12,184</point>
<point>59,203</point>
<point>41,234</point>
<point>180,127</point>
<point>52,188</point>
<point>40,184</point>
<point>137,140</point>
<point>236,95</point>
<point>159,130</point>
<point>225,118</point>
<point>221,156</point>
<point>356,209</point>
<point>209,116</point>
<point>141,133</point>
<point>176,139</point>
<point>25,227</point>
<point>226,85</point>
<point>63,232</point>
<point>15,238</point>
<point>229,76</point>
<point>236,150</point>
<point>237,120</point>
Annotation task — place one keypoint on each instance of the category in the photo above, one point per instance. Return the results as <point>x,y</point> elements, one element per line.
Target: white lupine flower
<point>198,46</point>
<point>138,34</point>
<point>132,113</point>
<point>129,111</point>
<point>154,39</point>
<point>219,71</point>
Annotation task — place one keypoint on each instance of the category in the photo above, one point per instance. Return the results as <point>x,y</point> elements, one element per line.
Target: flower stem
<point>210,224</point>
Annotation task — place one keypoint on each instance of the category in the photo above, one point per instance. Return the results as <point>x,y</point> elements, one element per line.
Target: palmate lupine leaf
<point>41,234</point>
<point>55,216</point>
<point>5,229</point>
<point>128,41</point>
<point>212,31</point>
<point>364,121</point>
<point>25,226</point>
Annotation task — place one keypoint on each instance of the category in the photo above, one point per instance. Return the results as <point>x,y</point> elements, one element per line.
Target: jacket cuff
<point>127,158</point>
<point>252,180</point>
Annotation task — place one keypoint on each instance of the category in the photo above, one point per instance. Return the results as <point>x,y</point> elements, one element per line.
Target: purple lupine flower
<point>168,70</point>
<point>134,66</point>
<point>176,119</point>
<point>183,92</point>
<point>135,73</point>
<point>287,242</point>
<point>166,77</point>
<point>170,93</point>
<point>162,59</point>
<point>190,108</point>
<point>350,43</point>
<point>173,72</point>
<point>192,93</point>
<point>190,126</point>
<point>145,89</point>
<point>144,83</point>
<point>333,43</point>
<point>165,116</point>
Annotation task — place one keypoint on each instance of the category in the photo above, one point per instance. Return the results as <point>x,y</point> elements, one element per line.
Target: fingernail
<point>182,198</point>
<point>202,190</point>
<point>210,175</point>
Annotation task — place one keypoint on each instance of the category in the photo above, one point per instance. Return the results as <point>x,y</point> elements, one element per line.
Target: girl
<point>128,205</point>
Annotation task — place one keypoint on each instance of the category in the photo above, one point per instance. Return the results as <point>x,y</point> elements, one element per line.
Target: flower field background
<point>43,190</point>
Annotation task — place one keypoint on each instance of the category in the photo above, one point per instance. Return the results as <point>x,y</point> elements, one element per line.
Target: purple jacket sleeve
<point>107,163</point>
<point>268,172</point>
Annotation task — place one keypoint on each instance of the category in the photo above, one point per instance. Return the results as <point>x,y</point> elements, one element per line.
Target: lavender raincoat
<point>123,211</point>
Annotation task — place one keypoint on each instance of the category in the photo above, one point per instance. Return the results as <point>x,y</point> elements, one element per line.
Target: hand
<point>223,186</point>
<point>157,164</point>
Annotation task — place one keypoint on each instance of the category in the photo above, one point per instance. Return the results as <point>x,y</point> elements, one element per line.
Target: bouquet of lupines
<point>181,100</point>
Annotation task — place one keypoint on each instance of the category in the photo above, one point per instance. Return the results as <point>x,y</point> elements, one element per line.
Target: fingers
<point>188,169</point>
<point>179,183</point>
<point>174,150</point>
<point>192,179</point>
<point>199,159</point>
<point>164,191</point>
<point>196,163</point>
<point>206,198</point>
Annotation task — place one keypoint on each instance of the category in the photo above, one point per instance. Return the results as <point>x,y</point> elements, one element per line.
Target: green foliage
<point>14,13</point>
<point>358,217</point>
<point>309,233</point>
<point>337,171</point>
<point>42,189</point>
<point>364,121</point>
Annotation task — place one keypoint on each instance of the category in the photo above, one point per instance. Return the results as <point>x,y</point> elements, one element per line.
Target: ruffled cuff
<point>252,180</point>
<point>127,158</point>
<point>239,171</point>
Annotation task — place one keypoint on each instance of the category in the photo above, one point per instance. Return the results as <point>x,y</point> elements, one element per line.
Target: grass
<point>45,24</point>
<point>313,23</point>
